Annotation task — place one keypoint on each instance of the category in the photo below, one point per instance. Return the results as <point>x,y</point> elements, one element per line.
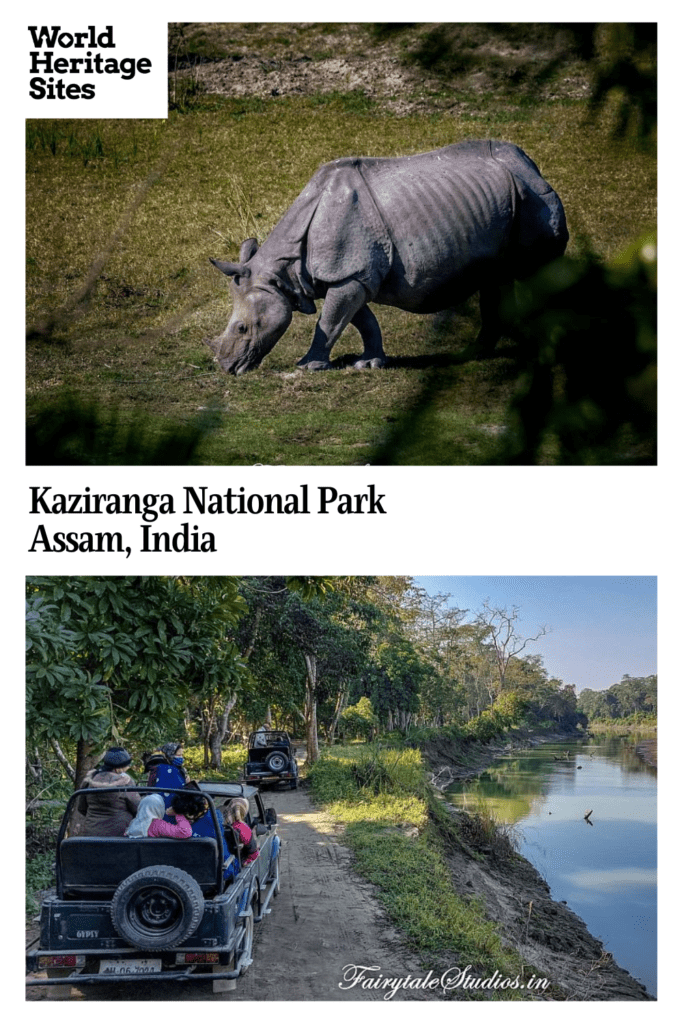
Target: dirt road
<point>324,919</point>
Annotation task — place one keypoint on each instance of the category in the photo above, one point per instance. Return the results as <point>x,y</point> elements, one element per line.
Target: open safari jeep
<point>155,909</point>
<point>271,759</point>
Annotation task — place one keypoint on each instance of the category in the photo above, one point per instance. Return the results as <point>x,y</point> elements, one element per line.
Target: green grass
<point>233,758</point>
<point>381,798</point>
<point>122,217</point>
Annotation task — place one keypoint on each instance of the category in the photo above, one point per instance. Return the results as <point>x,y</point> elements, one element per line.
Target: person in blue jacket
<point>165,767</point>
<point>204,826</point>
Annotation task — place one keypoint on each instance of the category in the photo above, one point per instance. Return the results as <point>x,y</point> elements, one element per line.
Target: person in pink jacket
<point>165,830</point>
<point>186,808</point>
<point>236,814</point>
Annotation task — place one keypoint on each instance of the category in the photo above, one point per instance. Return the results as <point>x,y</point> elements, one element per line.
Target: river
<point>604,867</point>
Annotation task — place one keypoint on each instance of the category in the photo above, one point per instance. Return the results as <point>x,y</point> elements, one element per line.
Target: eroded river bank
<point>549,935</point>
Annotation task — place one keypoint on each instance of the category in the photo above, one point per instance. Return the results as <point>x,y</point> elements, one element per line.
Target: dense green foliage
<point>135,659</point>
<point>635,699</point>
<point>101,651</point>
<point>140,660</point>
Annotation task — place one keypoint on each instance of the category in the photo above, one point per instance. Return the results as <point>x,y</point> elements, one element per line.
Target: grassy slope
<point>229,168</point>
<point>381,799</point>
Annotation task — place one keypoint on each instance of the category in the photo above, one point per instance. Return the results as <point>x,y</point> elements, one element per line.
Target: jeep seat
<point>93,868</point>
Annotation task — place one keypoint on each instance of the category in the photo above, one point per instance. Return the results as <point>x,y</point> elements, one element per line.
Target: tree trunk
<point>63,760</point>
<point>311,710</point>
<point>87,756</point>
<point>254,635</point>
<point>35,767</point>
<point>219,731</point>
<point>207,721</point>
<point>342,697</point>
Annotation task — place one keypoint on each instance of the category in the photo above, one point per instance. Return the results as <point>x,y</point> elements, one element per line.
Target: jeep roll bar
<point>144,791</point>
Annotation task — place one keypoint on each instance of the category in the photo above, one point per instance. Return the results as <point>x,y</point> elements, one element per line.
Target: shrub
<point>339,775</point>
<point>40,875</point>
<point>359,719</point>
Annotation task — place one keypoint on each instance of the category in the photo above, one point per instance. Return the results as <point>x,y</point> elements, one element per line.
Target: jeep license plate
<point>130,967</point>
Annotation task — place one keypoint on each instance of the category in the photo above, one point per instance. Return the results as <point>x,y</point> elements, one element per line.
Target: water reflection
<point>604,867</point>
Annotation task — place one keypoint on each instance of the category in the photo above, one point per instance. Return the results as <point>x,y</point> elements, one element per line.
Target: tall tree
<point>116,658</point>
<point>501,633</point>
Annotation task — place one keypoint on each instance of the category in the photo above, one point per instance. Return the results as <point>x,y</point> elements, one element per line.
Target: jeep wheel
<point>243,957</point>
<point>157,907</point>
<point>277,761</point>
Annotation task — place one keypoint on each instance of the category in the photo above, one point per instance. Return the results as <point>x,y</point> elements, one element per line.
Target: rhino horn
<point>231,269</point>
<point>213,343</point>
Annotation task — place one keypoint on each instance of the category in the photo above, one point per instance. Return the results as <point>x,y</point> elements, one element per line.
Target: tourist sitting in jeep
<point>108,805</point>
<point>236,813</point>
<point>165,767</point>
<point>127,909</point>
<point>204,826</point>
<point>186,808</point>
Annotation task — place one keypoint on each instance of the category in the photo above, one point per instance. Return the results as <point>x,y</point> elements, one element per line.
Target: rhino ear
<point>248,248</point>
<point>230,269</point>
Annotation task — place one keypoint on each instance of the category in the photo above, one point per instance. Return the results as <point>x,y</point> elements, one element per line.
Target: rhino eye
<point>242,328</point>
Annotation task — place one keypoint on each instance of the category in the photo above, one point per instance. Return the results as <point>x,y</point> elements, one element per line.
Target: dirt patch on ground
<point>384,80</point>
<point>419,69</point>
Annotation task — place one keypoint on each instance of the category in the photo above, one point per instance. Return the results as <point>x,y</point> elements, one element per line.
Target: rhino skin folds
<point>421,233</point>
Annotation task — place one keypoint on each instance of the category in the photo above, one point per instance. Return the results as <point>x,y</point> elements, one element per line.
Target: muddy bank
<point>552,940</point>
<point>647,752</point>
<point>451,760</point>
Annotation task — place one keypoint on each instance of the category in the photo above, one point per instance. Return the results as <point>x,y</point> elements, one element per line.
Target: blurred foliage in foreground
<point>72,432</point>
<point>583,360</point>
<point>621,59</point>
<point>587,337</point>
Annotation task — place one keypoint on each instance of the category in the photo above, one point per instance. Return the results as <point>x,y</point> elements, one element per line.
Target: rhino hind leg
<point>343,304</point>
<point>494,299</point>
<point>373,356</point>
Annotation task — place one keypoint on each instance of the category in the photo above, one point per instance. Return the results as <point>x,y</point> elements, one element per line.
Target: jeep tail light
<point>197,958</point>
<point>66,960</point>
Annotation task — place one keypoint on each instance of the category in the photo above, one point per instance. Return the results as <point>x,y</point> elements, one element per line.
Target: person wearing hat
<point>165,767</point>
<point>106,811</point>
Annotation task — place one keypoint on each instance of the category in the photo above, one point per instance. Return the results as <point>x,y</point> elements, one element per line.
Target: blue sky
<point>601,627</point>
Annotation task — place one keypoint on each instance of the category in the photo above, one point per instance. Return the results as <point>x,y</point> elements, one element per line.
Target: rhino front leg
<point>343,303</point>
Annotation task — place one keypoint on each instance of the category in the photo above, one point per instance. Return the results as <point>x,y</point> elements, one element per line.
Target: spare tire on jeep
<point>277,762</point>
<point>157,907</point>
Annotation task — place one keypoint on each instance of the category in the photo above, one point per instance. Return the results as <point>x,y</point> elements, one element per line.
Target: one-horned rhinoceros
<point>420,232</point>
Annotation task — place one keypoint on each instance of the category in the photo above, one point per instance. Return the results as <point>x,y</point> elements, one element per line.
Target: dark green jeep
<point>156,909</point>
